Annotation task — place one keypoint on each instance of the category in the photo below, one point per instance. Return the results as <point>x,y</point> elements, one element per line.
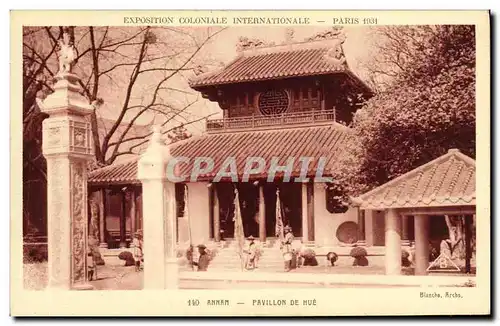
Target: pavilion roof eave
<point>326,141</point>
<point>430,186</point>
<point>416,207</point>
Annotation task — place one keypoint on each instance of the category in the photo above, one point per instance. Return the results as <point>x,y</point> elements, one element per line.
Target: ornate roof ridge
<point>288,47</point>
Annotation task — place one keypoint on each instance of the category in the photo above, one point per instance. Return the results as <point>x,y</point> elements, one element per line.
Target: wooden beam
<point>133,221</point>
<point>102,218</point>
<point>310,211</point>
<point>452,210</point>
<point>215,212</point>
<point>468,247</point>
<point>123,221</point>
<point>262,214</point>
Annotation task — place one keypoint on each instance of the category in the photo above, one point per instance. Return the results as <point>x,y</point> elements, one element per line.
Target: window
<point>273,102</point>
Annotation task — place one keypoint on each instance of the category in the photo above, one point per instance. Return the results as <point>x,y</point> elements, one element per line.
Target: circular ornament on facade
<point>273,102</point>
<point>347,232</point>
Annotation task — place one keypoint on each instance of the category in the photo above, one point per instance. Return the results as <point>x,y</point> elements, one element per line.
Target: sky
<point>222,48</point>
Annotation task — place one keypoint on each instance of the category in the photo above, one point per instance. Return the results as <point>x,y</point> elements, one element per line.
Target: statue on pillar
<point>67,53</point>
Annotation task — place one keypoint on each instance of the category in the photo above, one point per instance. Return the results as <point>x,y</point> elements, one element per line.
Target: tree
<point>427,108</point>
<point>139,65</point>
<point>129,74</point>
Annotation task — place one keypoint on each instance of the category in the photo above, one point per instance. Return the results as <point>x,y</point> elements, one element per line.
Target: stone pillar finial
<point>156,137</point>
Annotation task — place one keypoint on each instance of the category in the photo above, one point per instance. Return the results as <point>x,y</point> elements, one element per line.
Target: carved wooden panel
<point>276,101</point>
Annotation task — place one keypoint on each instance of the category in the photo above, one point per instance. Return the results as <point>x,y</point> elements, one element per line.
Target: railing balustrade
<point>250,122</point>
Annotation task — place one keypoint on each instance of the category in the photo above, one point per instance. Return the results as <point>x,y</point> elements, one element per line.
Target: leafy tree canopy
<point>427,108</point>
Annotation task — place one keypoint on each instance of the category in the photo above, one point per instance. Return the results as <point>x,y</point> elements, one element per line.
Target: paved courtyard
<point>115,276</point>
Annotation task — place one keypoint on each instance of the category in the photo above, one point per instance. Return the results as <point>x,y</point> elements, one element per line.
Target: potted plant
<point>128,257</point>
<point>309,257</point>
<point>332,257</point>
<point>359,254</point>
<point>405,262</point>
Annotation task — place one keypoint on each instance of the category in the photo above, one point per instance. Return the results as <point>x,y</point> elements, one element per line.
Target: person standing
<point>251,261</point>
<point>138,253</point>
<point>286,247</point>
<point>91,264</point>
<point>203,260</point>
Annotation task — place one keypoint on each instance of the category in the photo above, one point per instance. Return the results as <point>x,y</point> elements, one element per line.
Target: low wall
<point>326,223</point>
<point>327,280</point>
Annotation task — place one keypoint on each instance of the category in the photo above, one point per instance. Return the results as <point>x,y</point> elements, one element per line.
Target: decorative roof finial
<point>245,43</point>
<point>289,35</point>
<point>335,32</point>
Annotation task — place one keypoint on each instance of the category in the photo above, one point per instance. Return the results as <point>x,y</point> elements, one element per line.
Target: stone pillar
<point>262,214</point>
<point>421,244</point>
<point>199,206</point>
<point>159,223</point>
<point>102,219</point>
<point>305,224</point>
<point>361,227</point>
<point>392,242</point>
<point>67,148</point>
<point>405,235</point>
<point>215,212</point>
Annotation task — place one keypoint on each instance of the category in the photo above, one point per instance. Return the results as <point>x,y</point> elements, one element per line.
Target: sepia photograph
<point>171,153</point>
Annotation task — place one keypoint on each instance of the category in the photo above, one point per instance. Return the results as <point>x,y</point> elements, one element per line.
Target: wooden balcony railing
<point>258,122</point>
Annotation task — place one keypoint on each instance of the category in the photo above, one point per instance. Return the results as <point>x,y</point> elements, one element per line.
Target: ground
<point>115,276</point>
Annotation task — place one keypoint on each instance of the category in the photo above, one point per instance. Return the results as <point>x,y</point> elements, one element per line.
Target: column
<point>133,219</point>
<point>392,242</point>
<point>405,239</point>
<point>215,212</point>
<point>159,223</point>
<point>468,247</point>
<point>199,205</point>
<point>183,238</point>
<point>123,220</point>
<point>102,219</point>
<point>67,148</point>
<point>361,227</point>
<point>262,214</point>
<point>421,244</point>
<point>310,211</point>
<point>305,224</point>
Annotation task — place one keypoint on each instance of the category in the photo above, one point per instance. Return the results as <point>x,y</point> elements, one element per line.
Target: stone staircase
<point>271,259</point>
<point>228,259</point>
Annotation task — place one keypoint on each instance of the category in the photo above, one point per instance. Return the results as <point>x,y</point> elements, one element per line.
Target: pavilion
<point>289,100</point>
<point>443,186</point>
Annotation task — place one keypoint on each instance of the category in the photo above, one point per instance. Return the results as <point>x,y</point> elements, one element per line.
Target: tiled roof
<point>278,62</point>
<point>319,141</point>
<point>449,180</point>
